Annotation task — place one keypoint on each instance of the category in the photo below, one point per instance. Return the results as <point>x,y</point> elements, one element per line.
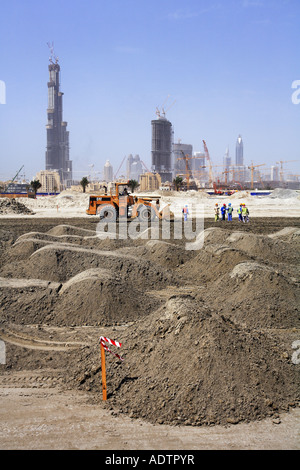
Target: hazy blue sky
<point>229,66</point>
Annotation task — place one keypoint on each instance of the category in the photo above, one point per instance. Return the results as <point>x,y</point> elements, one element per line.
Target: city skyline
<point>229,69</point>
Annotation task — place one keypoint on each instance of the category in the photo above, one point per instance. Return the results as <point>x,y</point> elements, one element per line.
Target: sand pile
<point>257,296</point>
<point>100,297</point>
<point>27,300</point>
<point>280,193</point>
<point>185,364</point>
<point>12,206</point>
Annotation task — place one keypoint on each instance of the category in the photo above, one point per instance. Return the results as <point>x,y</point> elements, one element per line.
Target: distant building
<point>239,152</point>
<point>128,166</point>
<point>150,182</point>
<point>274,173</point>
<point>136,168</point>
<point>179,152</point>
<point>50,181</point>
<point>227,160</point>
<point>161,148</point>
<point>108,172</point>
<point>57,153</point>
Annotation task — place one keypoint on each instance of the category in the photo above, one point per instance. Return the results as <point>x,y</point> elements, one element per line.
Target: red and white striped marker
<point>104,340</point>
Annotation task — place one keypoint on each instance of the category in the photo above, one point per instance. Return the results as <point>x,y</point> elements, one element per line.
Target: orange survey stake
<point>104,391</point>
<point>104,348</point>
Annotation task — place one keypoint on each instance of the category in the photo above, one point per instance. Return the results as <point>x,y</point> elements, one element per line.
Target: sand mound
<point>211,262</point>
<point>280,193</point>
<point>70,230</point>
<point>59,262</point>
<point>287,233</point>
<point>258,296</point>
<point>262,247</point>
<point>27,300</point>
<point>168,255</point>
<point>12,206</point>
<point>98,297</point>
<point>187,365</point>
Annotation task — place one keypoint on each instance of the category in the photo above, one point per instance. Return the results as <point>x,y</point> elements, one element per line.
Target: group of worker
<point>243,212</point>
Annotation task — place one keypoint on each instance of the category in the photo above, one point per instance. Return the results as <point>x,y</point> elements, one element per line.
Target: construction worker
<point>223,211</point>
<point>185,212</point>
<point>239,211</point>
<point>229,212</point>
<point>217,212</point>
<point>245,213</point>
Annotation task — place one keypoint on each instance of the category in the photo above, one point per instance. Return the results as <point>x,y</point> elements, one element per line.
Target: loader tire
<point>146,214</point>
<point>107,213</point>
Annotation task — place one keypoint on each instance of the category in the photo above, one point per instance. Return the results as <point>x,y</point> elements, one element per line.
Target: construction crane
<point>14,178</point>
<point>252,171</point>
<point>209,162</point>
<point>186,158</point>
<point>162,112</point>
<point>281,167</point>
<point>148,171</point>
<point>116,174</point>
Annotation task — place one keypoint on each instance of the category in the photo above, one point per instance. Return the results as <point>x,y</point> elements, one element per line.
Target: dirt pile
<point>12,206</point>
<point>186,364</point>
<point>206,335</point>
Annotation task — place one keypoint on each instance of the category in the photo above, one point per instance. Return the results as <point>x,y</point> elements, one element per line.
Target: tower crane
<point>143,163</point>
<point>14,178</point>
<point>209,162</point>
<point>281,167</point>
<point>162,112</point>
<point>116,174</point>
<point>186,158</point>
<point>188,171</point>
<point>252,171</point>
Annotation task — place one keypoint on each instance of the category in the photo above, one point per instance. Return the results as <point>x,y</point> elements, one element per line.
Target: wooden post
<point>104,392</point>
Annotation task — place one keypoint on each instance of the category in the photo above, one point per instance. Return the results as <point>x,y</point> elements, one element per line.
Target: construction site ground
<point>209,337</point>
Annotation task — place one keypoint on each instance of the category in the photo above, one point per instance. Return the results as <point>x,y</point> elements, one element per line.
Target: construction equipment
<point>124,205</point>
<point>209,162</point>
<point>117,172</point>
<point>281,167</point>
<point>161,113</point>
<point>15,177</point>
<point>252,171</point>
<point>188,172</point>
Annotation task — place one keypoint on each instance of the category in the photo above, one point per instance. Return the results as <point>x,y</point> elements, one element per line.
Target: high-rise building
<point>274,173</point>
<point>128,166</point>
<point>161,149</point>
<point>239,152</point>
<point>108,172</point>
<point>180,151</point>
<point>57,153</point>
<point>227,160</point>
<point>136,168</point>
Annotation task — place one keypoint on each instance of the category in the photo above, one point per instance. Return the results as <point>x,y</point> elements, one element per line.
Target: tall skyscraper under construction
<point>57,153</point>
<point>161,149</point>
